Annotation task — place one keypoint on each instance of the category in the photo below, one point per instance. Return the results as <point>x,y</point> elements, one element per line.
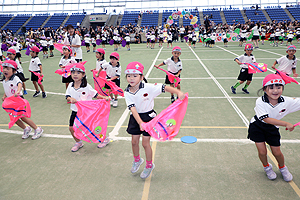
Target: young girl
<point>224,37</point>
<point>67,59</point>
<point>87,40</point>
<point>152,38</point>
<point>13,87</point>
<point>194,40</point>
<point>170,40</point>
<point>269,109</point>
<point>100,53</point>
<point>93,40</point>
<point>127,39</point>
<point>77,91</point>
<point>148,39</point>
<point>51,46</point>
<point>161,38</point>
<point>140,101</point>
<point>44,45</point>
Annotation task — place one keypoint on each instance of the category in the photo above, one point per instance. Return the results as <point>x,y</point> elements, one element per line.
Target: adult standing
<point>74,41</point>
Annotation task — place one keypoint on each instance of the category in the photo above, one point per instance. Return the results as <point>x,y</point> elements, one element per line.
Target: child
<point>152,38</point>
<point>161,38</point>
<point>115,38</point>
<point>170,39</point>
<point>35,65</point>
<point>224,37</point>
<point>190,37</point>
<point>244,75</point>
<point>103,41</point>
<point>11,54</point>
<point>298,35</point>
<point>290,38</point>
<point>277,35</point>
<point>272,37</point>
<point>17,47</point>
<point>212,41</point>
<point>288,63</point>
<point>174,67</point>
<point>44,45</point>
<point>140,101</point>
<point>51,46</point>
<point>263,35</point>
<point>77,91</point>
<point>127,39</point>
<point>100,53</point>
<point>243,37</point>
<point>269,109</point>
<point>148,38</point>
<point>94,44</point>
<point>87,40</point>
<point>194,40</point>
<point>113,73</point>
<point>67,59</point>
<point>13,87</point>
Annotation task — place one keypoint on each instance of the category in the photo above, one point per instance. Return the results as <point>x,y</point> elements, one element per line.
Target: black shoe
<point>233,90</point>
<point>37,93</point>
<point>172,99</point>
<point>245,91</point>
<point>44,95</point>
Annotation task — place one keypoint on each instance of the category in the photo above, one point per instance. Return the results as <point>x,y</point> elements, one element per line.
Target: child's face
<point>66,52</point>
<point>248,52</point>
<point>274,91</point>
<point>8,72</point>
<point>291,52</point>
<point>11,56</point>
<point>134,79</point>
<point>98,55</point>
<point>77,75</point>
<point>113,61</point>
<point>176,54</point>
<point>32,54</point>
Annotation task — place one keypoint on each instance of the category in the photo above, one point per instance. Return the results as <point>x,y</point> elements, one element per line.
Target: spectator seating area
<point>233,16</point>
<point>165,16</point>
<point>295,12</point>
<point>278,14</point>
<point>256,15</point>
<point>56,20</point>
<point>75,18</point>
<point>150,19</point>
<point>130,17</point>
<point>17,22</point>
<point>187,22</point>
<point>216,17</point>
<point>36,22</point>
<point>4,19</point>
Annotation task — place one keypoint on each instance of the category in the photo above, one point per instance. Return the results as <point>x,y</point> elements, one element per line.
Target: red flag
<point>166,125</point>
<point>17,108</point>
<point>287,79</point>
<point>256,67</point>
<point>91,120</point>
<point>39,76</point>
<point>172,78</point>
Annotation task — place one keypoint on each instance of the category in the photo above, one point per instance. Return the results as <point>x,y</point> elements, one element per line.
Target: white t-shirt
<point>99,64</point>
<point>75,40</point>
<point>246,59</point>
<point>286,65</point>
<point>20,68</point>
<point>63,61</point>
<point>11,86</point>
<point>143,98</point>
<point>34,64</point>
<point>172,66</point>
<point>80,94</point>
<point>87,40</point>
<point>43,43</point>
<point>112,71</point>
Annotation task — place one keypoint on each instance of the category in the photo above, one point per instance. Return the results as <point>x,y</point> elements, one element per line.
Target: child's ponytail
<point>84,81</point>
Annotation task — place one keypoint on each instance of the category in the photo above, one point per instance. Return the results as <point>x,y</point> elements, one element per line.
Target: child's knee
<point>71,129</point>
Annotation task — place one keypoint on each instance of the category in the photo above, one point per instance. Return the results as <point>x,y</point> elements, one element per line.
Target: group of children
<point>139,97</point>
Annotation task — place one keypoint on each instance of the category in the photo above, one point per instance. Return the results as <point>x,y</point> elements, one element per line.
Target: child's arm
<point>273,66</point>
<point>137,117</point>
<point>41,69</point>
<point>178,73</point>
<point>102,97</point>
<point>161,64</point>
<point>176,91</point>
<point>19,89</point>
<point>277,122</point>
<point>294,72</point>
<point>71,99</point>
<point>98,71</point>
<point>4,96</point>
<point>237,61</point>
<point>113,78</point>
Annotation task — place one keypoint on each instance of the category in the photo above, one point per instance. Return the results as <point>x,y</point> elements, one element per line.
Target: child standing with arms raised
<point>269,110</point>
<point>174,67</point>
<point>244,75</point>
<point>140,101</point>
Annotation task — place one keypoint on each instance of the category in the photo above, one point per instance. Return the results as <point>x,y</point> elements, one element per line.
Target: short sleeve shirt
<point>286,65</point>
<point>112,71</point>
<point>75,40</point>
<point>64,62</point>
<point>11,86</point>
<point>99,64</point>
<point>246,59</point>
<point>172,66</point>
<point>34,64</point>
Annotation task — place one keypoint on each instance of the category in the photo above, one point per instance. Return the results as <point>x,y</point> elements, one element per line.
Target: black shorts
<point>72,118</point>
<point>103,41</point>
<point>116,81</point>
<point>94,44</point>
<point>225,40</point>
<point>262,132</point>
<point>212,42</point>
<point>51,47</point>
<point>255,37</point>
<point>148,40</point>
<point>134,128</point>
<point>290,39</point>
<point>1,58</point>
<point>127,43</point>
<point>276,38</point>
<point>21,76</point>
<point>190,39</point>
<point>45,48</point>
<point>271,39</point>
<point>244,75</point>
<point>87,44</point>
<point>169,41</point>
<point>152,41</point>
<point>161,39</point>
<point>78,60</point>
<point>34,77</point>
<point>167,79</point>
<point>297,36</point>
<point>243,39</point>
<point>67,80</point>
<point>263,37</point>
<point>18,55</point>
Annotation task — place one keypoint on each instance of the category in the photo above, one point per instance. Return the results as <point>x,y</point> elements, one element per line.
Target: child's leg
<point>262,152</point>
<point>278,155</point>
<point>172,94</point>
<point>72,133</point>
<point>247,84</point>
<point>67,84</point>
<point>238,84</point>
<point>20,124</point>
<point>135,139</point>
<point>35,86</point>
<point>42,87</point>
<point>116,96</point>
<point>29,122</point>
<point>24,87</point>
<point>147,147</point>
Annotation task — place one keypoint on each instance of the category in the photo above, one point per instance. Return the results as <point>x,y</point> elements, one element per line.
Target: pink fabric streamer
<point>287,79</point>
<point>166,125</point>
<point>256,67</point>
<point>17,108</point>
<point>59,47</point>
<point>91,120</point>
<point>172,78</point>
<point>39,76</point>
<point>63,72</point>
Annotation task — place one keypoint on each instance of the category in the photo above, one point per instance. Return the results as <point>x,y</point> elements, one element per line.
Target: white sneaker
<point>270,173</point>
<point>287,176</point>
<point>115,103</point>
<point>147,171</point>
<point>37,133</point>
<point>27,130</point>
<point>111,102</point>
<point>136,165</point>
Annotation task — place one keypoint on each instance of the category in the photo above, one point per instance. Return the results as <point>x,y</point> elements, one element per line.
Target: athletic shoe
<point>77,146</point>
<point>115,103</point>
<point>104,143</point>
<point>287,176</point>
<point>270,173</point>
<point>147,171</point>
<point>44,94</point>
<point>136,165</point>
<point>27,130</point>
<point>36,94</point>
<point>25,92</point>
<point>233,90</point>
<point>37,133</point>
<point>172,99</point>
<point>245,91</point>
<point>111,102</point>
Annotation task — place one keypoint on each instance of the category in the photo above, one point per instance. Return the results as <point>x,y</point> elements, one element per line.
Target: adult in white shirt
<point>74,41</point>
<point>255,37</point>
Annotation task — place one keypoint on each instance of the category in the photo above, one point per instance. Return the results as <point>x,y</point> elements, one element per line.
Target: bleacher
<point>259,16</point>
<point>17,22</point>
<point>295,12</point>
<point>150,19</point>
<point>36,21</point>
<point>277,14</point>
<point>130,17</point>
<point>187,22</point>
<point>4,19</point>
<point>166,14</point>
<point>56,20</point>
<point>75,18</point>
<point>216,17</point>
<point>233,16</point>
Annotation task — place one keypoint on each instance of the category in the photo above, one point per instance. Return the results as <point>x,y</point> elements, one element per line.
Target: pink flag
<point>287,79</point>
<point>256,67</point>
<point>59,47</point>
<point>63,72</point>
<point>17,108</point>
<point>91,120</point>
<point>99,83</point>
<point>1,67</point>
<point>172,78</point>
<point>166,125</point>
<point>39,76</point>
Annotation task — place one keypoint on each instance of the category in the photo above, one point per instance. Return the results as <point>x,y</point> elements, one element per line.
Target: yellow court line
<point>148,180</point>
<point>292,183</point>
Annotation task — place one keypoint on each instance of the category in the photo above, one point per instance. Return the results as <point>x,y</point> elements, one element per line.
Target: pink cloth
<point>287,79</point>
<point>256,67</point>
<point>174,80</point>
<point>39,76</point>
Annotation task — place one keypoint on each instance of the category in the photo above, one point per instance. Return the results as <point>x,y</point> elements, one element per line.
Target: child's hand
<point>3,98</point>
<point>289,126</point>
<point>295,75</point>
<point>273,66</point>
<point>17,94</point>
<point>72,100</point>
<point>141,127</point>
<point>107,98</point>
<point>108,79</point>
<point>156,66</point>
<point>181,96</point>
<point>92,70</point>
<point>97,75</point>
